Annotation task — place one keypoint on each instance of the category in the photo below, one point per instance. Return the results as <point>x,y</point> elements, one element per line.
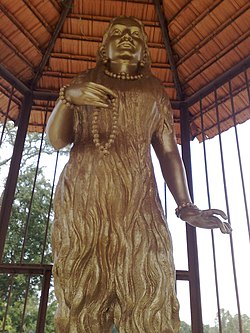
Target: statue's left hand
<point>206,219</point>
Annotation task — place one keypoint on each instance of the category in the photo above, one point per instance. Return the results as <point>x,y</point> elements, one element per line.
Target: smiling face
<point>125,41</point>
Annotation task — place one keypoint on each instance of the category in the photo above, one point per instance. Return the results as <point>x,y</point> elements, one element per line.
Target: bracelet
<point>184,205</point>
<point>63,99</point>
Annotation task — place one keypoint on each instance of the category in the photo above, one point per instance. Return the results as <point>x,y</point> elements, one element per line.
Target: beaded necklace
<point>104,147</point>
<point>123,75</point>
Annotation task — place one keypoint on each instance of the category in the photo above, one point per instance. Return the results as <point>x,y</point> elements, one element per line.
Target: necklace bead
<point>123,75</point>
<point>104,147</point>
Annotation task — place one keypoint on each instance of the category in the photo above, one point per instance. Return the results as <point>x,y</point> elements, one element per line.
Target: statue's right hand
<point>90,93</point>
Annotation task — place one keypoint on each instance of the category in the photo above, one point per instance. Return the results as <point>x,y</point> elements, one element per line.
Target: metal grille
<point>224,168</point>
<point>220,179</point>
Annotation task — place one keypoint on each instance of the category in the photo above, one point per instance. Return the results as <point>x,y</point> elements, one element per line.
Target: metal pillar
<point>43,302</point>
<point>193,263</point>
<point>11,182</point>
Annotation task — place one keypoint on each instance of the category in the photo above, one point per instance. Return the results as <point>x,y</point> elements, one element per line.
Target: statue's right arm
<point>59,129</point>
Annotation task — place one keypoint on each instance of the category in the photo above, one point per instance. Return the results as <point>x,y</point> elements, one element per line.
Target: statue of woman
<point>112,249</point>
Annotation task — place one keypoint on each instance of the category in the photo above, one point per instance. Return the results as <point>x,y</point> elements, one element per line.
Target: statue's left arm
<point>165,146</point>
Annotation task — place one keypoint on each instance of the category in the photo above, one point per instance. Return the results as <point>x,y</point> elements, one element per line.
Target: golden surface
<point>112,249</point>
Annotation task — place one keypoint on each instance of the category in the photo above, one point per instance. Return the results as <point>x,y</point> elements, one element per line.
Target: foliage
<point>33,248</point>
<point>18,320</point>
<point>29,219</point>
<point>27,239</point>
<point>229,324</point>
<point>31,148</point>
<point>185,328</point>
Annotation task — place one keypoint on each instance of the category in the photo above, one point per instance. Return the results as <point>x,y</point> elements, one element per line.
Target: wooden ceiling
<point>195,45</point>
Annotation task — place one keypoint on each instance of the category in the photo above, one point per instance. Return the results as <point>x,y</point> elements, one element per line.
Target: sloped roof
<point>45,43</point>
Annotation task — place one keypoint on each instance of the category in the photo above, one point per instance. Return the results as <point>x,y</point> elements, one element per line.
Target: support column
<point>10,186</point>
<point>194,280</point>
<point>43,302</point>
<point>193,263</point>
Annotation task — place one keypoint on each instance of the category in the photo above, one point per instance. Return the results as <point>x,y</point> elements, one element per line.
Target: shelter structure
<point>200,51</point>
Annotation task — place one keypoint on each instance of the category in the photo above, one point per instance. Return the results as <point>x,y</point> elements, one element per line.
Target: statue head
<point>125,39</point>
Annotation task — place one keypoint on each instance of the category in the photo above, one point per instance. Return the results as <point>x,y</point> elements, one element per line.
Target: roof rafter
<point>9,77</point>
<point>219,81</point>
<point>107,19</point>
<point>51,44</point>
<point>196,21</point>
<point>167,43</point>
<point>7,94</point>
<point>39,17</point>
<point>97,39</point>
<point>19,26</point>
<point>220,101</point>
<point>55,5</point>
<point>15,51</point>
<point>217,57</point>
<point>222,121</point>
<point>219,29</point>
<point>179,11</point>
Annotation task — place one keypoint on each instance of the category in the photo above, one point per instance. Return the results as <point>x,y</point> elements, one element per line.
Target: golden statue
<point>113,264</point>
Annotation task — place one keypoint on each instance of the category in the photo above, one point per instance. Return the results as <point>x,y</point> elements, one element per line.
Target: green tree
<point>230,323</point>
<point>28,236</point>
<point>33,223</point>
<point>31,148</point>
<point>185,328</point>
<point>29,227</point>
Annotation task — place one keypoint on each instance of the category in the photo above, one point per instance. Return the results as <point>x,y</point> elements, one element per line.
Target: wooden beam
<point>9,77</point>
<point>222,79</point>
<point>10,186</point>
<point>33,269</point>
<point>196,21</point>
<point>167,43</point>
<point>20,27</point>
<point>107,19</point>
<point>218,58</point>
<point>51,44</point>
<point>211,36</point>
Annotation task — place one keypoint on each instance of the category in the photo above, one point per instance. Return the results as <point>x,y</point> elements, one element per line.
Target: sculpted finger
<point>93,93</point>
<point>96,102</point>
<point>103,89</point>
<point>219,212</point>
<point>100,104</point>
<point>211,212</point>
<point>92,97</point>
<point>228,228</point>
<point>225,228</point>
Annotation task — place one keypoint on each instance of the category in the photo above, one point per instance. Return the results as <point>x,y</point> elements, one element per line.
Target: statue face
<point>125,41</point>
